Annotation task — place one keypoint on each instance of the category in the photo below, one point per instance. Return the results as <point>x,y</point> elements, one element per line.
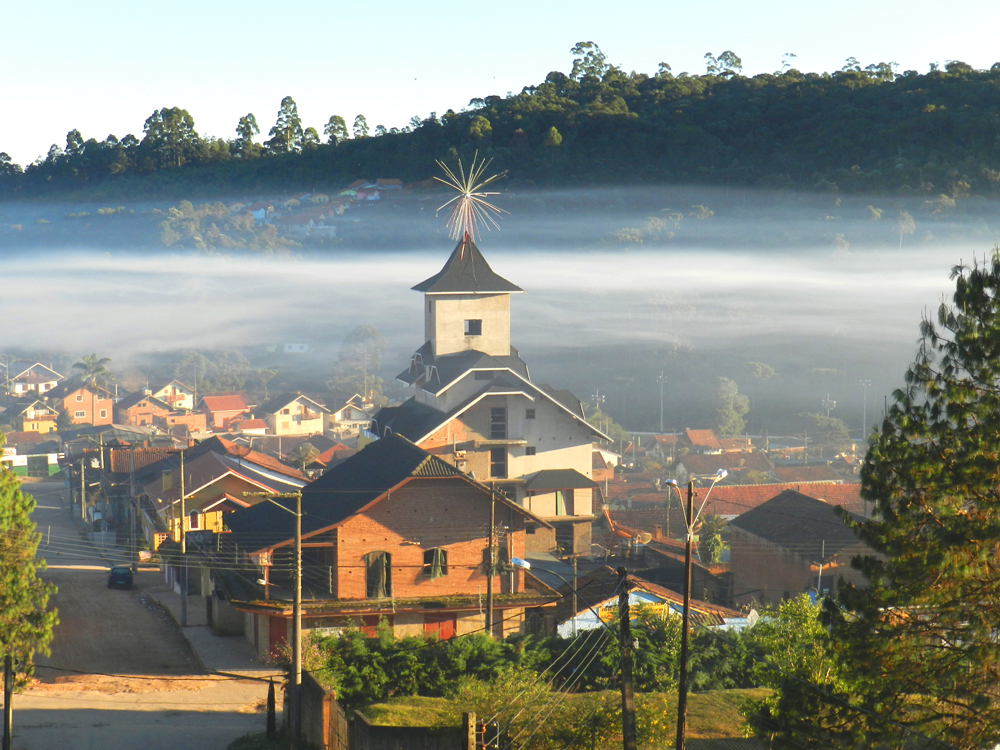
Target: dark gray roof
<point>564,397</point>
<point>341,492</point>
<point>466,272</point>
<point>411,419</point>
<point>131,400</point>
<point>280,402</point>
<point>557,479</point>
<point>450,367</point>
<point>799,523</point>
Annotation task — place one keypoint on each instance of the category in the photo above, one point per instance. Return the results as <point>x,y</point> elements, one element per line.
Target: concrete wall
<point>445,316</point>
<point>368,736</point>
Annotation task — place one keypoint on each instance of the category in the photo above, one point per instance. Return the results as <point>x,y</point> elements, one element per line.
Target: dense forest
<point>861,129</point>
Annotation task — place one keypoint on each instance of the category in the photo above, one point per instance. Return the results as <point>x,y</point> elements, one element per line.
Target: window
<point>473,328</point>
<point>529,450</point>
<point>193,520</point>
<point>284,411</point>
<point>104,413</point>
<point>79,397</point>
<point>529,413</point>
<point>498,463</point>
<point>378,575</point>
<point>498,423</point>
<point>435,563</point>
<point>79,414</point>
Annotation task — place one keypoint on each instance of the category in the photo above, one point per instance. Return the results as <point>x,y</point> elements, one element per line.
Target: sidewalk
<point>230,654</point>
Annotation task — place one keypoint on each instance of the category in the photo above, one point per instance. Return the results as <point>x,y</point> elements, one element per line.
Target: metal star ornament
<point>470,208</point>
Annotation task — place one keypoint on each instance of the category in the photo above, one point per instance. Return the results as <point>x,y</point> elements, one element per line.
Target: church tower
<point>467,305</point>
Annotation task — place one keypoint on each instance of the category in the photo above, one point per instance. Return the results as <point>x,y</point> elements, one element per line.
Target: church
<point>474,405</point>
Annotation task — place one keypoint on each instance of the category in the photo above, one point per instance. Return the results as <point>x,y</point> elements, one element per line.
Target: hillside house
<point>293,414</point>
<point>83,405</point>
<point>27,377</point>
<point>355,415</point>
<point>221,410</point>
<point>29,415</point>
<point>174,393</point>
<point>140,409</point>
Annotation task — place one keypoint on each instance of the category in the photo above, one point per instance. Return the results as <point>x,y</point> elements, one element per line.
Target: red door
<point>278,634</point>
<point>440,624</point>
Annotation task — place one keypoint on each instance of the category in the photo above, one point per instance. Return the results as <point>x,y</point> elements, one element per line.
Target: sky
<point>103,66</point>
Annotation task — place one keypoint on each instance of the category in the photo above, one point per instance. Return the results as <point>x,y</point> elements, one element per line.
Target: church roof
<point>451,367</point>
<point>466,272</point>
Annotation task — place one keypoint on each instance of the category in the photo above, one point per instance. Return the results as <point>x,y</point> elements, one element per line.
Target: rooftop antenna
<point>470,208</point>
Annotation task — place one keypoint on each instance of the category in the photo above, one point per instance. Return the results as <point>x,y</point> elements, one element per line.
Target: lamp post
<point>296,691</point>
<point>690,519</point>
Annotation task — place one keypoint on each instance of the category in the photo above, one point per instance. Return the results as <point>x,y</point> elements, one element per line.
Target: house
<point>140,409</point>
<point>83,405</point>
<point>261,210</point>
<point>393,532</point>
<point>29,415</point>
<point>23,377</point>
<point>791,544</point>
<point>174,393</point>
<point>193,421</point>
<point>390,184</point>
<point>601,605</point>
<point>355,415</point>
<point>474,405</point>
<point>253,427</point>
<point>293,414</point>
<point>220,410</point>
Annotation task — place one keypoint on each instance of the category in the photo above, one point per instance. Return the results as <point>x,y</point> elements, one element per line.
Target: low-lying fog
<point>622,284</point>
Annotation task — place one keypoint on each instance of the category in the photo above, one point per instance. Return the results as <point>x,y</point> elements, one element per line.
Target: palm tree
<point>94,373</point>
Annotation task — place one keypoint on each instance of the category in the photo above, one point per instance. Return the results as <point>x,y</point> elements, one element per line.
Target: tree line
<point>859,129</point>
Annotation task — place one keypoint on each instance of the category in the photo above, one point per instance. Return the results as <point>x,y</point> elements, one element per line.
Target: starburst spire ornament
<point>470,208</point>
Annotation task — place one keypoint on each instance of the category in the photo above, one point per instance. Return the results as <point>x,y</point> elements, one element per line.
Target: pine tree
<point>921,639</point>
<point>25,624</point>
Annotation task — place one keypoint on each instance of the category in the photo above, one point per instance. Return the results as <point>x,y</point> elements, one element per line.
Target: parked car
<point>120,576</point>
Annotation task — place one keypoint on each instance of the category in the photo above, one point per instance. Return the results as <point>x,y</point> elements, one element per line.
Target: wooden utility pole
<point>8,695</point>
<point>131,510</point>
<point>184,577</point>
<point>491,566</point>
<point>83,488</point>
<point>682,682</point>
<point>625,632</point>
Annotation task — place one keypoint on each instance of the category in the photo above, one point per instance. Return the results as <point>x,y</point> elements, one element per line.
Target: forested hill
<point>860,129</point>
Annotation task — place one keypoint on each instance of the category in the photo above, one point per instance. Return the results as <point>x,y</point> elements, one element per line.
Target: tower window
<point>498,423</point>
<point>474,328</point>
<point>498,463</point>
<point>529,450</point>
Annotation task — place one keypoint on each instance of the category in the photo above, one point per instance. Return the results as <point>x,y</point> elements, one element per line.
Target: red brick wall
<point>195,421</point>
<point>423,514</point>
<point>139,415</point>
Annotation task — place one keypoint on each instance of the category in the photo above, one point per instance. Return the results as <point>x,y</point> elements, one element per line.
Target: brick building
<point>392,532</point>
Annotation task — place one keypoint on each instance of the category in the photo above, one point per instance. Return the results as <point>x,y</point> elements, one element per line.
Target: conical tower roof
<point>466,272</point>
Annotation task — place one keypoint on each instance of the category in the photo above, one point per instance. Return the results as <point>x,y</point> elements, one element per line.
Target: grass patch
<point>711,715</point>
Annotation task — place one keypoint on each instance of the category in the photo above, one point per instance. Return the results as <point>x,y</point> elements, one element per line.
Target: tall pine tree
<point>25,624</point>
<point>921,641</point>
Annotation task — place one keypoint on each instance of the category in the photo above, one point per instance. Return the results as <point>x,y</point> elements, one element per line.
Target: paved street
<point>121,674</point>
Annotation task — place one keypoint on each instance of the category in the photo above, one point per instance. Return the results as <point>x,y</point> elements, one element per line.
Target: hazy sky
<point>103,67</point>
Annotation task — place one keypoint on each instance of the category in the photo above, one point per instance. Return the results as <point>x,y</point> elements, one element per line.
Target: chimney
<point>657,531</point>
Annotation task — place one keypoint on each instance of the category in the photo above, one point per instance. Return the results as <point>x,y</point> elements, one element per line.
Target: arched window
<point>435,563</point>
<point>193,520</point>
<point>378,575</point>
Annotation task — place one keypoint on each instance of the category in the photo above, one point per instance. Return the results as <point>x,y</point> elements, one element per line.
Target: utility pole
<point>574,595</point>
<point>8,695</point>
<point>184,577</point>
<point>491,566</point>
<point>662,379</point>
<point>83,488</point>
<point>131,510</point>
<point>682,682</point>
<point>865,385</point>
<point>625,632</point>
<point>295,694</point>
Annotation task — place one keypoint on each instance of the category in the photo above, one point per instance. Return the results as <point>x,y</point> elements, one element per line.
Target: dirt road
<point>120,674</point>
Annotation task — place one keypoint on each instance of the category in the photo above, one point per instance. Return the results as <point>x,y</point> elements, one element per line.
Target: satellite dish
<point>644,538</point>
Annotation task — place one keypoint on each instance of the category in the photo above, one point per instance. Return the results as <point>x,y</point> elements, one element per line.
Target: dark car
<point>120,576</point>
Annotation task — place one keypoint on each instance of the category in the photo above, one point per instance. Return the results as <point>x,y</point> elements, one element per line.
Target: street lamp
<point>690,519</point>
<point>295,693</point>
